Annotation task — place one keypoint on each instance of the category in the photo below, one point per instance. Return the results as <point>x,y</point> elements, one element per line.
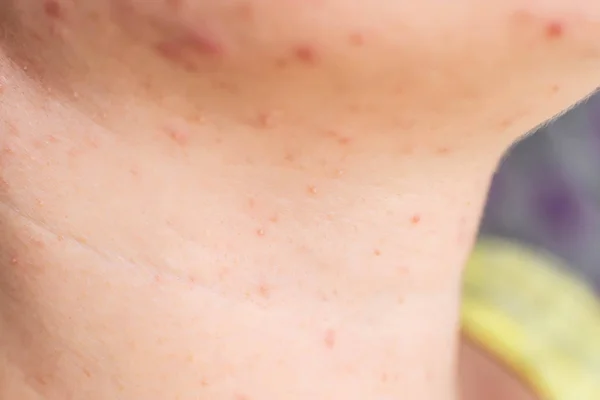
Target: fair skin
<point>258,199</point>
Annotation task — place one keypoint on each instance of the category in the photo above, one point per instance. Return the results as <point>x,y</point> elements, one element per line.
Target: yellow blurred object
<point>532,314</point>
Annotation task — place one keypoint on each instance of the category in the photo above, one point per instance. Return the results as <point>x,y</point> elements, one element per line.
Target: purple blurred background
<point>547,191</point>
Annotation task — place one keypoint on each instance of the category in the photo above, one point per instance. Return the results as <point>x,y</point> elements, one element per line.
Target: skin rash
<point>258,199</point>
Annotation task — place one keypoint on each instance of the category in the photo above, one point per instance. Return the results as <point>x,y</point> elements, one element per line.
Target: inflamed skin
<point>258,199</point>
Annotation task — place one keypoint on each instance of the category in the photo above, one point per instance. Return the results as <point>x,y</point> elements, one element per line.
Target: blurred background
<point>547,191</point>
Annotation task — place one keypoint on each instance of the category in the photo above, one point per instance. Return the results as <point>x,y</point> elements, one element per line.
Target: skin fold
<point>258,199</point>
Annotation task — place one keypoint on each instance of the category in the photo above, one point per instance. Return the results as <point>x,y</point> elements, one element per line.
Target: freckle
<point>260,232</point>
<point>204,382</point>
<point>356,39</point>
<point>52,9</point>
<point>554,30</point>
<point>306,54</point>
<point>415,219</point>
<point>274,219</point>
<point>87,373</point>
<point>554,88</point>
<point>312,189</point>
<point>377,252</point>
<point>329,338</point>
<point>179,137</point>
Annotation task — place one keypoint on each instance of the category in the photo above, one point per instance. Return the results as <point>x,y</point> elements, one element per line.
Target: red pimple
<point>260,232</point>
<point>384,377</point>
<point>344,141</point>
<point>274,219</point>
<point>443,150</point>
<point>179,137</point>
<point>415,219</point>
<point>554,30</point>
<point>289,157</point>
<point>245,11</point>
<point>264,290</point>
<point>329,338</point>
<point>203,43</point>
<point>311,189</point>
<point>306,54</point>
<point>264,119</point>
<point>52,9</point>
<point>377,252</point>
<point>14,260</point>
<point>356,39</point>
<point>175,5</point>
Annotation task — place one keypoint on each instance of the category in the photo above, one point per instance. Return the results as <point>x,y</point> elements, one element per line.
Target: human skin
<point>259,199</point>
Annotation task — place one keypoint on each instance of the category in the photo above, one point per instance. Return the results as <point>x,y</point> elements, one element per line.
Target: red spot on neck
<point>175,4</point>
<point>52,9</point>
<point>415,219</point>
<point>555,30</point>
<point>203,42</point>
<point>264,291</point>
<point>356,39</point>
<point>179,137</point>
<point>329,339</point>
<point>306,54</point>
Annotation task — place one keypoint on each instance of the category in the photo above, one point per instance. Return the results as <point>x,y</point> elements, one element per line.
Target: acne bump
<point>356,39</point>
<point>415,219</point>
<point>178,136</point>
<point>53,9</point>
<point>306,54</point>
<point>329,338</point>
<point>554,30</point>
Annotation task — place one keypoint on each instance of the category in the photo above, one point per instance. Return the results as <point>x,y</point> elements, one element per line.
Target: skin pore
<point>258,199</point>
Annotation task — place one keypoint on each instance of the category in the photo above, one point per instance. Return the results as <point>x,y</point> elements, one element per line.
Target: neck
<point>283,219</point>
<point>167,210</point>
